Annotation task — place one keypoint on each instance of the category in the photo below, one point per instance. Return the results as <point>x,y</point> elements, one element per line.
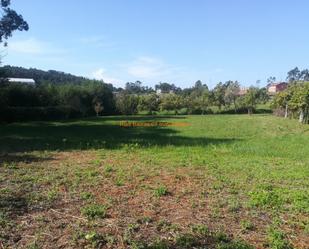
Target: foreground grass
<point>90,183</point>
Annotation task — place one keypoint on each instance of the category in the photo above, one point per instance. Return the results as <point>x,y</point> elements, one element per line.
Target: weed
<point>94,211</point>
<point>158,244</point>
<point>187,241</point>
<point>277,239</point>
<point>234,206</point>
<point>234,245</point>
<point>119,182</point>
<point>247,225</point>
<point>161,191</point>
<point>52,195</point>
<point>109,168</point>
<point>96,239</point>
<point>96,162</point>
<point>201,230</point>
<point>86,196</point>
<point>221,237</point>
<point>266,196</point>
<point>144,220</point>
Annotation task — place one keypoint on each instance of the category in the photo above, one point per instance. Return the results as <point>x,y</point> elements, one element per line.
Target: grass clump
<point>96,239</point>
<point>187,241</point>
<point>266,196</point>
<point>277,239</point>
<point>247,225</point>
<point>161,191</point>
<point>86,196</point>
<point>234,245</point>
<point>94,211</point>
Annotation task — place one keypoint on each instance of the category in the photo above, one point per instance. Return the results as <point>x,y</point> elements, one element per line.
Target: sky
<point>175,41</point>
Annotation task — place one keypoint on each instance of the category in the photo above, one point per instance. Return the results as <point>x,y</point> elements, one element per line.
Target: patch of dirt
<point>134,212</point>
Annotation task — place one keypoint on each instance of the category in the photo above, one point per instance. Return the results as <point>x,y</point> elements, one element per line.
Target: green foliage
<point>48,101</point>
<point>201,230</point>
<point>247,225</point>
<point>10,21</point>
<point>149,103</point>
<point>94,211</point>
<point>127,103</point>
<point>96,239</point>
<point>235,245</point>
<point>231,93</point>
<point>266,196</point>
<point>250,100</point>
<point>86,196</point>
<point>171,102</point>
<point>187,241</point>
<point>295,99</point>
<point>262,155</point>
<point>161,191</point>
<point>277,239</point>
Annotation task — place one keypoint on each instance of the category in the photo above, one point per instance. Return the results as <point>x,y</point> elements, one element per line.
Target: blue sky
<point>176,41</point>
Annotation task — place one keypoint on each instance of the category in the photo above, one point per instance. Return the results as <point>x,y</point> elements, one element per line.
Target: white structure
<point>22,80</point>
<point>158,91</point>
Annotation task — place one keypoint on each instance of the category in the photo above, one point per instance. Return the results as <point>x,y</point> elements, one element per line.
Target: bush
<point>17,114</point>
<point>94,211</point>
<point>183,111</point>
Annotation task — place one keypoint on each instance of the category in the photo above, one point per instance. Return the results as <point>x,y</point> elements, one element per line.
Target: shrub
<point>277,239</point>
<point>160,191</point>
<point>94,211</point>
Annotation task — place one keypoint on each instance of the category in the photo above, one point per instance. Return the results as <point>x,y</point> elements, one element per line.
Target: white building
<point>21,80</point>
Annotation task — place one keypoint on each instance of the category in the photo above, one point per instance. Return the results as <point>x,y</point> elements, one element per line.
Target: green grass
<point>94,211</point>
<point>241,172</point>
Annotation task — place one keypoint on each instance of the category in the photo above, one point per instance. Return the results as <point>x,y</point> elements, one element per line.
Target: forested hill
<point>40,76</point>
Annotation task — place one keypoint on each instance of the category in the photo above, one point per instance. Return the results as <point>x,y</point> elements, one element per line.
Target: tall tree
<point>293,75</point>
<point>250,99</point>
<point>218,94</point>
<point>10,21</point>
<point>231,93</point>
<point>304,75</point>
<point>271,80</point>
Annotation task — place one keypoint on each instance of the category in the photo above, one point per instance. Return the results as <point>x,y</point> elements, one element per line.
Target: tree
<point>304,75</point>
<point>218,94</point>
<point>300,101</point>
<point>10,21</point>
<point>263,96</point>
<point>293,75</point>
<point>167,88</point>
<point>271,80</point>
<point>98,106</point>
<point>149,103</point>
<point>127,103</point>
<point>231,93</point>
<point>281,100</point>
<point>171,102</point>
<point>250,99</point>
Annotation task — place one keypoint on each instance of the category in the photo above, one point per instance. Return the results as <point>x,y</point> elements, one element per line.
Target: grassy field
<point>224,181</point>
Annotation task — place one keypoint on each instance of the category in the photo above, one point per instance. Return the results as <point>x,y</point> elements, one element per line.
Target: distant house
<point>277,87</point>
<point>162,92</point>
<point>243,91</point>
<point>21,80</point>
<point>158,91</point>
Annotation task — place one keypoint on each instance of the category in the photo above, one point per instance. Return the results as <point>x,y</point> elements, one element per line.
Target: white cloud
<point>145,67</point>
<point>33,46</point>
<point>100,74</point>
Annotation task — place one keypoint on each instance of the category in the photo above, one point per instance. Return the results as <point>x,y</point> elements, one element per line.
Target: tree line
<point>294,101</point>
<point>58,95</point>
<point>226,97</point>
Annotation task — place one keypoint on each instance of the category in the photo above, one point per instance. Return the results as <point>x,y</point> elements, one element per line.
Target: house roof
<point>278,83</point>
<point>22,80</point>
